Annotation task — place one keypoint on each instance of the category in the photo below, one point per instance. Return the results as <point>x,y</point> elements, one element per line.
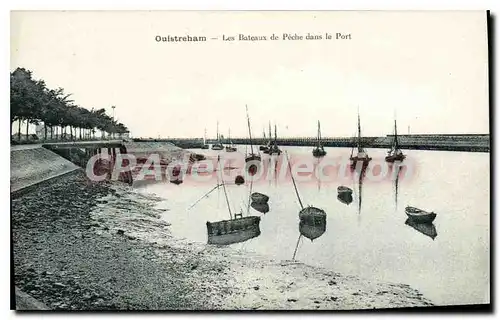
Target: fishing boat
<point>319,150</point>
<point>345,198</point>
<point>270,142</point>
<point>263,147</point>
<point>395,154</point>
<point>251,156</point>
<point>428,229</point>
<point>218,145</point>
<point>230,147</point>
<point>236,229</point>
<point>259,197</point>
<point>310,212</point>
<point>419,215</point>
<point>361,156</point>
<point>312,227</point>
<point>274,149</point>
<point>344,190</point>
<point>205,145</point>
<point>261,207</point>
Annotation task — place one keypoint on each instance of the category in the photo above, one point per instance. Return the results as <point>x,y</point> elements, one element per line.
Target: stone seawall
<point>32,164</point>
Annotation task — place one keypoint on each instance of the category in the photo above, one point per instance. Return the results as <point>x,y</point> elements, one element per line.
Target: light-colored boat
<point>419,215</point>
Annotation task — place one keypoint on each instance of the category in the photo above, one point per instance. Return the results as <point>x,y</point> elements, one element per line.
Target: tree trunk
<point>71,132</point>
<point>19,131</point>
<point>45,128</point>
<point>51,132</point>
<point>27,128</point>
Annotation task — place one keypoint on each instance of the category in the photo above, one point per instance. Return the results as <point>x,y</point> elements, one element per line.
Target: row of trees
<point>31,101</point>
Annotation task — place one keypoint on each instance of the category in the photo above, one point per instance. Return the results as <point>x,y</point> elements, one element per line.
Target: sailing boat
<point>263,147</point>
<point>319,151</point>
<point>205,145</point>
<point>362,156</point>
<point>230,147</point>
<point>251,156</point>
<point>218,145</point>
<point>270,142</point>
<point>237,229</point>
<point>274,149</point>
<point>395,154</point>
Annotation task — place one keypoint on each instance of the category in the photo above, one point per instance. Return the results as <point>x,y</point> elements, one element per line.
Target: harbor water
<point>369,237</point>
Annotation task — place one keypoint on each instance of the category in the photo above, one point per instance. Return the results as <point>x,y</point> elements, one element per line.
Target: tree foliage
<point>33,102</point>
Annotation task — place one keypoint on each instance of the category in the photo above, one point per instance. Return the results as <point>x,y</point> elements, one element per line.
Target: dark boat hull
<point>394,158</point>
<point>259,197</point>
<point>205,146</point>
<point>233,231</point>
<point>230,149</point>
<point>263,148</point>
<point>312,229</point>
<point>428,229</point>
<point>318,153</point>
<point>253,157</point>
<point>261,207</point>
<point>364,162</point>
<point>312,213</point>
<point>217,147</point>
<point>419,216</point>
<point>345,198</point>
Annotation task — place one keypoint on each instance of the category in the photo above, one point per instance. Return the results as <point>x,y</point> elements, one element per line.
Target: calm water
<point>367,238</point>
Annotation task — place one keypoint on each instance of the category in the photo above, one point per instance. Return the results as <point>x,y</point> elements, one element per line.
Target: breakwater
<point>445,142</point>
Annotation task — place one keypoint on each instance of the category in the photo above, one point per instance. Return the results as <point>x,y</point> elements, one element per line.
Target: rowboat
<point>344,189</point>
<point>258,197</point>
<point>227,232</point>
<point>239,180</point>
<point>311,213</point>
<point>419,215</point>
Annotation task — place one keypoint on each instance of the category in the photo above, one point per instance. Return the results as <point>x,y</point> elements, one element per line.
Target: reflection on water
<point>261,207</point>
<point>313,227</point>
<point>425,228</point>
<point>454,268</point>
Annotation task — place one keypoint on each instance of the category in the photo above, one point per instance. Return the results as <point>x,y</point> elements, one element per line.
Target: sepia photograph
<point>250,160</point>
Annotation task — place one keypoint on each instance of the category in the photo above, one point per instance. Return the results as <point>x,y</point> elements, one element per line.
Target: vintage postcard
<point>250,160</point>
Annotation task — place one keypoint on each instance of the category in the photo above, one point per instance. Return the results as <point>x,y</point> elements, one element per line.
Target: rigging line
<point>205,195</point>
<point>293,180</point>
<point>227,199</point>
<point>296,246</point>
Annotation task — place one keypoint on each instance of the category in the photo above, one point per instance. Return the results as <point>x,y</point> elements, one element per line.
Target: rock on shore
<point>80,245</point>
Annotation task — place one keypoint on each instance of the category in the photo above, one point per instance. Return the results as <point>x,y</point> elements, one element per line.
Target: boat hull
<point>253,157</point>
<point>230,149</point>
<point>263,148</point>
<point>394,158</point>
<point>205,146</point>
<point>217,147</point>
<point>364,161</point>
<point>311,213</point>
<point>420,216</point>
<point>227,232</point>
<point>344,190</point>
<point>261,207</point>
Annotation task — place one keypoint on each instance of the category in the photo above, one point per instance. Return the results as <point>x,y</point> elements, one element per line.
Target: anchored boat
<point>319,150</point>
<point>259,197</point>
<point>419,215</point>
<point>313,227</point>
<point>395,154</point>
<point>263,147</point>
<point>261,207</point>
<point>361,156</point>
<point>344,189</point>
<point>230,147</point>
<point>218,145</point>
<point>205,145</point>
<point>251,156</point>
<point>274,149</point>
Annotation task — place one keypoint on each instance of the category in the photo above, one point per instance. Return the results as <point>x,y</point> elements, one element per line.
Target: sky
<point>428,70</point>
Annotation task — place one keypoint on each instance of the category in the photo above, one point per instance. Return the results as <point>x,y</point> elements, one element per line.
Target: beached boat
<point>264,147</point>
<point>428,229</point>
<point>274,149</point>
<point>344,189</point>
<point>218,145</point>
<point>261,207</point>
<point>230,147</point>
<point>237,229</point>
<point>259,197</point>
<point>319,150</point>
<point>361,156</point>
<point>419,215</point>
<point>251,156</point>
<point>395,154</point>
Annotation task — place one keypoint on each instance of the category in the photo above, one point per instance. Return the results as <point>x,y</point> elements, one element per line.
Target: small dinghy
<point>311,213</point>
<point>239,180</point>
<point>259,197</point>
<point>419,216</point>
<point>344,189</point>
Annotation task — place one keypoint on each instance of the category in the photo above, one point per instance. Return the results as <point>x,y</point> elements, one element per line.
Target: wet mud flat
<point>80,245</point>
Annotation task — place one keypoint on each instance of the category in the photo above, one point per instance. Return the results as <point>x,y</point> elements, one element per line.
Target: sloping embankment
<point>33,164</point>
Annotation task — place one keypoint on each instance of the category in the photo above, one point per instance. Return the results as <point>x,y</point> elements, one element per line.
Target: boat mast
<point>319,135</point>
<point>249,130</point>
<point>225,192</point>
<point>218,140</point>
<point>395,136</point>
<point>270,135</point>
<point>205,137</point>
<point>275,135</point>
<point>293,180</point>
